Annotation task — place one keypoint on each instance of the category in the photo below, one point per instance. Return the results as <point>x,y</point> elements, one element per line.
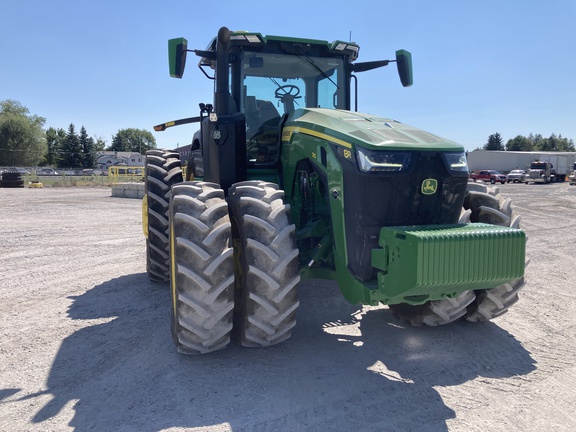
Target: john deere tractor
<point>286,182</point>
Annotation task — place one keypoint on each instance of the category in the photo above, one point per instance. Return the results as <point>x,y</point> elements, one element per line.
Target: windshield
<point>290,81</point>
<point>274,84</point>
<point>538,165</point>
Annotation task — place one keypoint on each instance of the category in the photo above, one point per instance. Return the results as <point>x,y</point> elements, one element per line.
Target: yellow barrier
<point>130,173</point>
<point>125,173</point>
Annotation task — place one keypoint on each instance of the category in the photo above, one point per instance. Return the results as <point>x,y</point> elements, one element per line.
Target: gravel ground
<point>85,339</point>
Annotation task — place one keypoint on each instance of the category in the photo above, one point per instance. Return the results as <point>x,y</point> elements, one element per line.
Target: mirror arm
<point>366,66</point>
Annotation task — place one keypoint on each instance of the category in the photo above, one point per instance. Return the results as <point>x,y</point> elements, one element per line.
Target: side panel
<point>224,156</point>
<point>321,229</point>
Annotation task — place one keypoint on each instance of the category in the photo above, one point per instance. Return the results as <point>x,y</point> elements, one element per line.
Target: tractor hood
<point>365,130</point>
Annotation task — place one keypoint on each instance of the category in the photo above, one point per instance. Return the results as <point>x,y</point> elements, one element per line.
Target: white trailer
<point>506,161</point>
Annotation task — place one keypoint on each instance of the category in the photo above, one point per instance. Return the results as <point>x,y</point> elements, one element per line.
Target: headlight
<point>382,161</point>
<point>456,162</point>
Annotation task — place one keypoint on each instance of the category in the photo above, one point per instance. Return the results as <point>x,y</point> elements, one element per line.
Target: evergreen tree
<point>495,142</point>
<point>71,154</point>
<point>87,145</point>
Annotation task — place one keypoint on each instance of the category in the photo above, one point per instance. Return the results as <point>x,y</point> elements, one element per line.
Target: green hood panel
<point>366,130</point>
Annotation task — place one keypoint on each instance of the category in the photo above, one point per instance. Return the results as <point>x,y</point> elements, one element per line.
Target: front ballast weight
<point>504,253</point>
<point>452,266</point>
<point>439,261</point>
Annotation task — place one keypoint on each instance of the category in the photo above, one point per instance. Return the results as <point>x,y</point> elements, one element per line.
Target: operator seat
<point>260,114</point>
<point>262,119</point>
<point>267,111</point>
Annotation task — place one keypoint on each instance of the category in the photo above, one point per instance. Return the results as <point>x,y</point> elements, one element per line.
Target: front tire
<point>434,313</point>
<point>485,205</point>
<point>202,268</point>
<point>195,166</point>
<point>266,269</point>
<point>482,204</point>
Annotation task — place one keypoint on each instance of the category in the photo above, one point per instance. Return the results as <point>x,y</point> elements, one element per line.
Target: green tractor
<point>285,182</point>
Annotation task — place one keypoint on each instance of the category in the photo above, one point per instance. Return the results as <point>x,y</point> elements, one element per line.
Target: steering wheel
<point>287,90</point>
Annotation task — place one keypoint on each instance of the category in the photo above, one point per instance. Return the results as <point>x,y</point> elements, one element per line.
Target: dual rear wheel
<point>234,269</point>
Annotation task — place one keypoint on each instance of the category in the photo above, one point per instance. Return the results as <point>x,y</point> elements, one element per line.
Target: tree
<point>133,140</point>
<point>54,140</point>
<point>99,144</point>
<point>87,145</point>
<point>22,141</point>
<point>535,139</point>
<point>495,142</point>
<point>566,145</point>
<point>71,154</point>
<point>519,143</point>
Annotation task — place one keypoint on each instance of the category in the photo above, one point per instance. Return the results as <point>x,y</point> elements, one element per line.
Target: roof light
<point>250,38</point>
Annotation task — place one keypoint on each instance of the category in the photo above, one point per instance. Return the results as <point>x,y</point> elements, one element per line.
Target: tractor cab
<point>260,82</point>
<point>271,77</point>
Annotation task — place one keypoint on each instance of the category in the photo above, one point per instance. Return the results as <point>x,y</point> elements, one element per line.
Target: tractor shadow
<point>343,369</point>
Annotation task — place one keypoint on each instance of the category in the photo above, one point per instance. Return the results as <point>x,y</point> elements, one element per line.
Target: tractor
<point>285,181</point>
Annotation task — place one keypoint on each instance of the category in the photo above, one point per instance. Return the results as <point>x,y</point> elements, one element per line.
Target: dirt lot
<point>85,339</point>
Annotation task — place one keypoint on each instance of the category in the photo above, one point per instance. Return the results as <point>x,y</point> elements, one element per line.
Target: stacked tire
<point>12,179</point>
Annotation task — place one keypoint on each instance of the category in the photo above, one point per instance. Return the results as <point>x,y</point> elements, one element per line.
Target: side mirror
<point>404,64</point>
<point>177,49</point>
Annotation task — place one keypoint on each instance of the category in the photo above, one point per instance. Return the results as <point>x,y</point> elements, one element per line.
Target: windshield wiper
<point>315,66</point>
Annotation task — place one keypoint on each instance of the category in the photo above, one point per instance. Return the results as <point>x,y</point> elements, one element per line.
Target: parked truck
<point>491,176</point>
<point>548,169</point>
<point>295,184</point>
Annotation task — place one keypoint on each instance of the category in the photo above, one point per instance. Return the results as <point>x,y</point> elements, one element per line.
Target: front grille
<point>372,201</point>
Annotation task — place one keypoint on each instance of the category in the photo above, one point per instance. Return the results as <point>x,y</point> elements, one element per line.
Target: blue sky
<point>480,67</point>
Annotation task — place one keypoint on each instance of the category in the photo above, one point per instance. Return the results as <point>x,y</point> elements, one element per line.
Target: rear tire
<point>162,170</point>
<point>266,269</point>
<point>202,268</point>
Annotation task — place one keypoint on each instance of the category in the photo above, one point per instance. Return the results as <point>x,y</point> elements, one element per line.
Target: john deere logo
<point>429,186</point>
